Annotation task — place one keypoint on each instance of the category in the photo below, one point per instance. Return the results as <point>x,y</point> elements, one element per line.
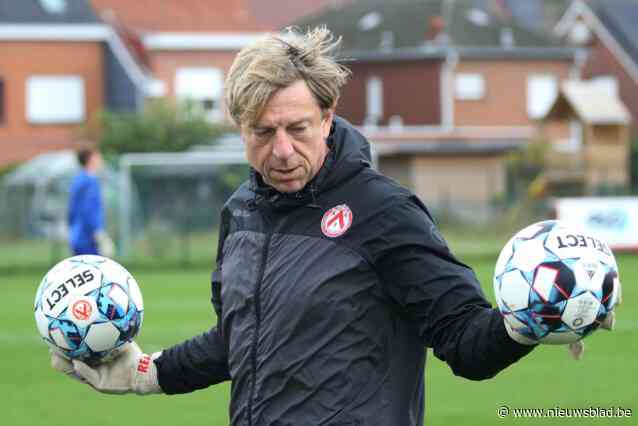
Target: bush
<point>161,127</point>
<point>525,171</point>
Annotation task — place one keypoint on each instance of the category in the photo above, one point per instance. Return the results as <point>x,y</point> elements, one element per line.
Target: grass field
<point>23,255</point>
<point>177,307</point>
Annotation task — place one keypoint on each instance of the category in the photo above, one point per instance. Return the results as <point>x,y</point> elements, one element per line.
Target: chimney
<point>387,40</point>
<point>507,37</point>
<point>501,9</point>
<point>436,27</point>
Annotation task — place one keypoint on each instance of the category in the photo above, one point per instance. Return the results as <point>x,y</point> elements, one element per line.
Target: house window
<point>469,87</point>
<point>575,135</point>
<point>609,83</point>
<point>55,99</point>
<point>203,86</point>
<point>2,107</point>
<point>54,6</point>
<point>542,90</point>
<point>374,100</point>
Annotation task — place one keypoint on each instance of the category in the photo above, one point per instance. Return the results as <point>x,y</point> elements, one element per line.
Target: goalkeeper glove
<point>576,349</point>
<point>105,244</point>
<point>62,364</point>
<point>130,372</point>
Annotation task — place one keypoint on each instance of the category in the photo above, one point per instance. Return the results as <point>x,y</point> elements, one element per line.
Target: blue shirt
<point>85,214</point>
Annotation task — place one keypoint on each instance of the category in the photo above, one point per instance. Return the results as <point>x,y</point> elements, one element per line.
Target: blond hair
<point>277,61</point>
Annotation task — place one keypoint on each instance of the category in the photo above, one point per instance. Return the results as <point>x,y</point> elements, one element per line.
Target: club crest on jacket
<point>336,221</point>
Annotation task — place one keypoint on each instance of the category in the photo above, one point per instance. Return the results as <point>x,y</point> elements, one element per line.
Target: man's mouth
<point>284,174</point>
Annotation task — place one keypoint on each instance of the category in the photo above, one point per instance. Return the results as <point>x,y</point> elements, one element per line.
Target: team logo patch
<point>336,221</point>
<point>81,310</point>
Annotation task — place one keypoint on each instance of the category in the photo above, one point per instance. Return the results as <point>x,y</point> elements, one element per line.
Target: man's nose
<point>282,146</point>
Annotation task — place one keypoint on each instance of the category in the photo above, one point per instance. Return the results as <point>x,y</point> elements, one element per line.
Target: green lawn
<point>548,377</point>
<point>168,251</point>
<point>177,307</point>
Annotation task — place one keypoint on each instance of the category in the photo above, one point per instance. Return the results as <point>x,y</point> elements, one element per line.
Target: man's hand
<point>575,349</point>
<point>130,372</point>
<point>104,244</point>
<point>64,365</point>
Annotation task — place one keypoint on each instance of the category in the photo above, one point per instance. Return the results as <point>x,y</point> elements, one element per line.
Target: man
<point>331,280</point>
<point>85,211</point>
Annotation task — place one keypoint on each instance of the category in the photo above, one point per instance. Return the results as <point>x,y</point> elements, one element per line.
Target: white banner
<point>612,219</point>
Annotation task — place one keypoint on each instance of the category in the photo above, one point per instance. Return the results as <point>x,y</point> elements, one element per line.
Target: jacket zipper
<point>260,277</point>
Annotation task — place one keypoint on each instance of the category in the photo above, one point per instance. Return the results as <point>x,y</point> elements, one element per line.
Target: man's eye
<point>262,132</point>
<point>297,129</point>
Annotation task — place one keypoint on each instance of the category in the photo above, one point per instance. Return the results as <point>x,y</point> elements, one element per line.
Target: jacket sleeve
<point>201,361</point>
<point>440,294</point>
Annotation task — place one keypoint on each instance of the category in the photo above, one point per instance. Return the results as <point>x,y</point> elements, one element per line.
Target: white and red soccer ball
<point>87,307</point>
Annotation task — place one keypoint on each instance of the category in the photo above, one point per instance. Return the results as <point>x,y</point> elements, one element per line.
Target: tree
<point>162,126</point>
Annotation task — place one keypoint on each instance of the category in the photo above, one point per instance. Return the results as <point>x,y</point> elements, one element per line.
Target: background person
<point>85,218</point>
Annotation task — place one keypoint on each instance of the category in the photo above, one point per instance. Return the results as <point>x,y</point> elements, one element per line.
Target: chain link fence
<point>163,210</point>
<point>169,205</point>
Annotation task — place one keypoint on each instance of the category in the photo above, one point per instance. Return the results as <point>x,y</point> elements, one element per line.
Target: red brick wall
<point>164,65</point>
<point>410,90</point>
<point>20,140</point>
<point>602,62</point>
<point>505,100</point>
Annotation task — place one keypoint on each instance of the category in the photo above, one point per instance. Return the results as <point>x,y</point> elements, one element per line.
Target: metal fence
<point>163,210</point>
<point>169,204</point>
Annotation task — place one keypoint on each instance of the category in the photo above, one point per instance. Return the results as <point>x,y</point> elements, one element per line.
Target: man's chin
<point>288,186</point>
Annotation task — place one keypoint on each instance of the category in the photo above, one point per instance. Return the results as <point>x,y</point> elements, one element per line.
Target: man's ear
<point>244,133</point>
<point>326,124</point>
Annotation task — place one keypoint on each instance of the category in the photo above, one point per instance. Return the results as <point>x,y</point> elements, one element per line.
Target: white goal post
<point>228,153</point>
<point>159,161</point>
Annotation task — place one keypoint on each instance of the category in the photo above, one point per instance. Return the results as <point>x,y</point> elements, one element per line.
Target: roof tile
<point>183,15</point>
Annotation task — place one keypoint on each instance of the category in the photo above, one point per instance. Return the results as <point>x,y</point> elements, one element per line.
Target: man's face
<point>95,162</point>
<point>287,145</point>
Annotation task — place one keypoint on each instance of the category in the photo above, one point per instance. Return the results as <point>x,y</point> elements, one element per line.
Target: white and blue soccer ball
<point>554,283</point>
<point>87,307</point>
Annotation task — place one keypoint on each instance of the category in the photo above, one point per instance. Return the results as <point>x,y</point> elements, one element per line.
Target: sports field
<point>177,306</point>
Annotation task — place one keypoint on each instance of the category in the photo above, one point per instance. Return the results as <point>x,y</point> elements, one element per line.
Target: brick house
<point>97,54</point>
<point>445,90</point>
<point>189,45</point>
<point>596,154</point>
<point>59,65</point>
<point>607,34</point>
<point>595,157</point>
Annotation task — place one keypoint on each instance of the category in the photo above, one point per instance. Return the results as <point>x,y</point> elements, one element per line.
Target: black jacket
<point>332,330</point>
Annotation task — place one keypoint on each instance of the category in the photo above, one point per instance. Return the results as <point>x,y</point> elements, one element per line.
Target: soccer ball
<point>87,307</point>
<point>555,284</point>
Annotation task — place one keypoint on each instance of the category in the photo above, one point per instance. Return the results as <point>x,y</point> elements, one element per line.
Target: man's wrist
<point>145,380</point>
